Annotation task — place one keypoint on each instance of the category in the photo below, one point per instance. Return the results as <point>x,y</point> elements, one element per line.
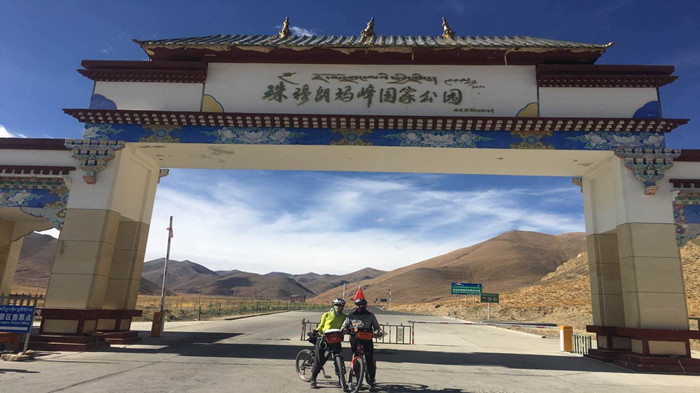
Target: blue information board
<point>382,300</point>
<point>463,288</point>
<point>16,319</point>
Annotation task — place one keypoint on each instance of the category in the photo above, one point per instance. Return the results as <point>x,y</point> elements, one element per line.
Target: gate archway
<point>517,106</point>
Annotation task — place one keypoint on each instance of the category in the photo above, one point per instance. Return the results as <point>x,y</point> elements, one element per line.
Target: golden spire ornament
<point>368,32</point>
<point>447,33</point>
<point>284,33</point>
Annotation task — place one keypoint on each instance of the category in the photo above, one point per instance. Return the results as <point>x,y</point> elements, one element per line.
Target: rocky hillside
<point>506,262</point>
<point>561,297</point>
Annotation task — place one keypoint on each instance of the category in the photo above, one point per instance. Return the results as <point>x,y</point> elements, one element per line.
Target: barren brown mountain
<point>318,283</point>
<point>506,262</point>
<point>183,276</point>
<point>257,286</point>
<point>36,260</point>
<point>561,297</point>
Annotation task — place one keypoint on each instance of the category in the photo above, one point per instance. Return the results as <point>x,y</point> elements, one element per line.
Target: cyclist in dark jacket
<point>363,320</point>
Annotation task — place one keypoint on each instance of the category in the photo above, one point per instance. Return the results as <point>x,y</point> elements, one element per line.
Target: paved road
<point>256,355</point>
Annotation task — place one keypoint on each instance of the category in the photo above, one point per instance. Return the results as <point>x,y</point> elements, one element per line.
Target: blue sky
<point>322,221</point>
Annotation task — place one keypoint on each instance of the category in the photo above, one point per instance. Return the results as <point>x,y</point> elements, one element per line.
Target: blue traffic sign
<point>17,319</point>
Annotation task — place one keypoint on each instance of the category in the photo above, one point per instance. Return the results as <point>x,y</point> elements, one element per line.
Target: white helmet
<point>338,302</point>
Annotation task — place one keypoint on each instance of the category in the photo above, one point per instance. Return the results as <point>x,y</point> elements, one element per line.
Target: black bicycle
<point>306,358</point>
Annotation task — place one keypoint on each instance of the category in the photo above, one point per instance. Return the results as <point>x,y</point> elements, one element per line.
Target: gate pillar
<point>100,251</point>
<point>9,255</point>
<point>637,289</point>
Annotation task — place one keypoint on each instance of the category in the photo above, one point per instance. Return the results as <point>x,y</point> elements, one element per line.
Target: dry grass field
<point>195,307</point>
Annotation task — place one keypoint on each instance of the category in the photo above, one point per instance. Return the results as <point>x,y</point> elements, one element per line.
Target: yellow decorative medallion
<point>210,104</point>
<point>530,110</point>
<point>351,136</point>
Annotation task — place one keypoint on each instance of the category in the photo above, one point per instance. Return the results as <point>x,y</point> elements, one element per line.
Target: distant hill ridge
<point>510,260</point>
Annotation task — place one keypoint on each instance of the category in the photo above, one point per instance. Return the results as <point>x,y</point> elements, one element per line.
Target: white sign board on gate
<point>397,90</point>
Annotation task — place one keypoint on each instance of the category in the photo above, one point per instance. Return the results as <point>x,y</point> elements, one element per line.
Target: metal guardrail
<point>393,334</point>
<point>581,343</point>
<point>509,324</point>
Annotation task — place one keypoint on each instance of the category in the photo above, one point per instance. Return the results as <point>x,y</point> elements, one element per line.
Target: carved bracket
<point>163,173</point>
<point>648,165</point>
<point>93,155</point>
<point>578,181</point>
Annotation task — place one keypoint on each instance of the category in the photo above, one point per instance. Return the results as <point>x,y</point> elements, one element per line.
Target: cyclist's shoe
<point>373,387</point>
<point>313,385</point>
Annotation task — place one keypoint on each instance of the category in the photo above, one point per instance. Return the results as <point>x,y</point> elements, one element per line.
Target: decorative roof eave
<point>144,71</point>
<point>487,55</point>
<point>370,41</point>
<point>219,119</point>
<point>374,49</point>
<point>604,75</point>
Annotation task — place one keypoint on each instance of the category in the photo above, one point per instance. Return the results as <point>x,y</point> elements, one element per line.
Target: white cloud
<point>4,133</point>
<point>327,223</point>
<point>302,31</point>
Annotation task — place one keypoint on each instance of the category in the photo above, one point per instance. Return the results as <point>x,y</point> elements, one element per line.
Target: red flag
<point>359,294</point>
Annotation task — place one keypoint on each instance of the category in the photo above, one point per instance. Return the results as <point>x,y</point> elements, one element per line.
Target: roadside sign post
<point>17,315</point>
<point>158,324</point>
<point>489,298</point>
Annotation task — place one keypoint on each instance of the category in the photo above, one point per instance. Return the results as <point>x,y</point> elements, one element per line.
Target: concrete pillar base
<point>82,322</point>
<point>646,350</point>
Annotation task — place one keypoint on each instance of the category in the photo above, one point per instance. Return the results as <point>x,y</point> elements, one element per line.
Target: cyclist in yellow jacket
<point>332,319</point>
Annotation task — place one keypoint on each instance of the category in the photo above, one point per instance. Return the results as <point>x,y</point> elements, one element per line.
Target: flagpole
<point>165,265</point>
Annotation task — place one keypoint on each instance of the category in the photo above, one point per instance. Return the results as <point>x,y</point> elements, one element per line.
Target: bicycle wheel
<point>357,371</point>
<point>305,364</point>
<point>340,371</point>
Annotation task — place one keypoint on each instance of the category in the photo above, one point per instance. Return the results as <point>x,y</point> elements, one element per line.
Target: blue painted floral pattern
<point>437,138</point>
<point>252,136</point>
<point>100,132</point>
<point>614,140</point>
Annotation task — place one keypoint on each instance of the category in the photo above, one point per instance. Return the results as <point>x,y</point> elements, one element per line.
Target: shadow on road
<point>391,387</point>
<point>209,345</point>
<point>9,370</point>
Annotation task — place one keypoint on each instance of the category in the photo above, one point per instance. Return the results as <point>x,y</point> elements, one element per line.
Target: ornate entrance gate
<point>447,104</point>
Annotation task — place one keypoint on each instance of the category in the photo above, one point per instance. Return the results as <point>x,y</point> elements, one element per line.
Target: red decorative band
<point>686,183</point>
<point>145,71</point>
<point>689,155</point>
<point>604,80</point>
<point>222,119</point>
<point>585,75</point>
<point>173,76</point>
<point>32,144</point>
<point>35,170</point>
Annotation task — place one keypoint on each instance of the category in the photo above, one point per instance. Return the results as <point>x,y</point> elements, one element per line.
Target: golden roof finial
<point>284,33</point>
<point>446,31</point>
<point>368,32</point>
